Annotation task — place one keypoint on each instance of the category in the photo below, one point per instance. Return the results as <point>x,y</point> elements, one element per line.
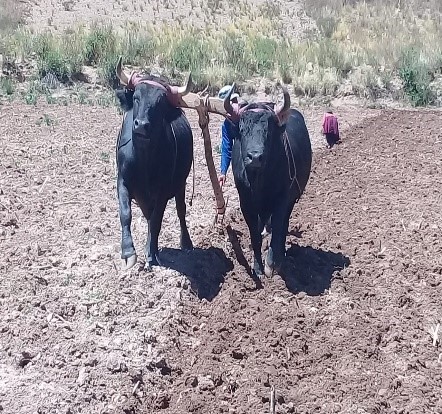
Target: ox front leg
<point>128,254</point>
<point>154,227</point>
<point>186,242</point>
<point>252,221</point>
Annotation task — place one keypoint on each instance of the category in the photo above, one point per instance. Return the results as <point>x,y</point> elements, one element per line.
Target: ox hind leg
<point>153,231</point>
<point>255,229</point>
<point>280,225</point>
<point>180,200</point>
<point>128,254</point>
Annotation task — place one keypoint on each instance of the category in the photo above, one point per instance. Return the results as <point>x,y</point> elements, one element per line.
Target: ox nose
<point>140,126</point>
<point>254,159</point>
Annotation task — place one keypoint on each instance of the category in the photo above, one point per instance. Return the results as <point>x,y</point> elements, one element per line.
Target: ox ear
<point>125,98</point>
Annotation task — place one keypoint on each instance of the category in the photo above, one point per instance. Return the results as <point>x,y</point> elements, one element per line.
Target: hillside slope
<point>199,13</point>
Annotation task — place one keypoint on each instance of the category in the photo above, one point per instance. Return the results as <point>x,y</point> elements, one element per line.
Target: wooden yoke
<point>204,105</point>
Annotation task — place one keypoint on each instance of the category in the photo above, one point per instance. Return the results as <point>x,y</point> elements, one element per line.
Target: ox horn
<point>184,90</point>
<point>282,109</point>
<point>121,74</point>
<point>227,104</point>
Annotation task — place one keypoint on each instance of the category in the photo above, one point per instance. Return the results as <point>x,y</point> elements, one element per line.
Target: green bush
<point>234,51</point>
<point>50,58</point>
<point>99,43</point>
<point>415,75</point>
<point>72,46</point>
<point>190,53</point>
<point>263,53</point>
<point>106,70</point>
<point>7,86</point>
<point>138,48</point>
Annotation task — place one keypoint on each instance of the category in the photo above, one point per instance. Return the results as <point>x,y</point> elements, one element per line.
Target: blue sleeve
<point>226,147</point>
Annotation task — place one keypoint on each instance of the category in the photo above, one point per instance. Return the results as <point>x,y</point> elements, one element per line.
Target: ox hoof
<point>271,271</point>
<point>129,262</point>
<point>267,231</point>
<point>257,273</point>
<point>148,267</point>
<point>268,271</point>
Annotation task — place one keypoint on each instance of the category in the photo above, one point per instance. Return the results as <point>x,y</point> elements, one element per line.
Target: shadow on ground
<point>234,239</point>
<point>311,270</point>
<point>206,269</point>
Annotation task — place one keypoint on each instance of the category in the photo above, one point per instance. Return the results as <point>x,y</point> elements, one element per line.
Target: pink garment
<point>330,124</point>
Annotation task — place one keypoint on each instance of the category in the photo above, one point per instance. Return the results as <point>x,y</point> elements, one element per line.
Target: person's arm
<point>226,150</point>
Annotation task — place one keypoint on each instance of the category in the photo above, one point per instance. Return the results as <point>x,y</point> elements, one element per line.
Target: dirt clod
<point>354,298</point>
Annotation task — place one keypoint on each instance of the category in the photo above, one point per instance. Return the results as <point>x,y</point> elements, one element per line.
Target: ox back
<point>273,192</point>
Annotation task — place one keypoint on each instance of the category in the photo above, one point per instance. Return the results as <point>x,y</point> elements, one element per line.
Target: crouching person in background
<point>330,128</point>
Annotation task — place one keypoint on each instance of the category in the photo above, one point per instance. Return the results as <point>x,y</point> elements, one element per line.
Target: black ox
<point>271,162</point>
<point>154,156</point>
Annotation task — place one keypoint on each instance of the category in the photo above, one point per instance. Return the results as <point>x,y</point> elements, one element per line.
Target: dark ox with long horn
<point>271,162</point>
<point>154,156</point>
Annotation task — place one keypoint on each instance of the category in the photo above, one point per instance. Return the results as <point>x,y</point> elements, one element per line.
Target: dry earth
<point>343,330</point>
<point>59,15</point>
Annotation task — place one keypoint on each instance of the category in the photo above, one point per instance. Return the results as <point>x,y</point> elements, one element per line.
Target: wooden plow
<point>205,105</point>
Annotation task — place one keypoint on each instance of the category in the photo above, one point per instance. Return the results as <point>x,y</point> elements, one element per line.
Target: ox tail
<point>120,132</point>
<point>193,179</point>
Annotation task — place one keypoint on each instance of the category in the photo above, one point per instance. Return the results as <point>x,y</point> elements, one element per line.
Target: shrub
<point>263,53</point>
<point>190,53</point>
<point>416,78</point>
<point>50,58</point>
<point>234,52</point>
<point>7,86</point>
<point>99,43</point>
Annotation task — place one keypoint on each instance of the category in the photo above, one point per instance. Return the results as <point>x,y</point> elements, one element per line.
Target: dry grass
<point>369,49</point>
<point>11,14</point>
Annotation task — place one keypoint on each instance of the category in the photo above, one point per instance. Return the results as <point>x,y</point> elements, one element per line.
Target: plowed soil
<point>344,329</point>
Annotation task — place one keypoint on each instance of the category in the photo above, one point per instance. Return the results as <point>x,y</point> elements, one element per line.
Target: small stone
<point>382,392</point>
<point>238,355</point>
<point>192,381</point>
<point>91,362</point>
<point>115,365</point>
<point>25,359</point>
<point>206,383</point>
<point>82,376</point>
<point>290,407</point>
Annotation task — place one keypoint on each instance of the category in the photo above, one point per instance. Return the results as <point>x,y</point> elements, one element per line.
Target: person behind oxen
<point>330,128</point>
<point>229,131</point>
<point>228,134</point>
